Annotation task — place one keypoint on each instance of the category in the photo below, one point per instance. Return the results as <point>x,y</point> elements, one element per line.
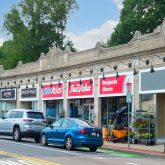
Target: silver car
<point>21,123</point>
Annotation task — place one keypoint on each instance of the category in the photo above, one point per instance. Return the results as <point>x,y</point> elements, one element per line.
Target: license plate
<point>93,133</point>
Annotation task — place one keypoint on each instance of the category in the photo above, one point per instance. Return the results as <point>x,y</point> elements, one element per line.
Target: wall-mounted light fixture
<point>102,70</point>
<point>69,79</point>
<point>80,73</point>
<point>91,81</point>
<point>152,68</point>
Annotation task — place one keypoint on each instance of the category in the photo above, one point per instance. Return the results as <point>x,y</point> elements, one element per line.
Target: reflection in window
<point>147,102</point>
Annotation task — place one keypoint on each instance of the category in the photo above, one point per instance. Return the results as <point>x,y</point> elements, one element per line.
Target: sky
<point>94,21</point>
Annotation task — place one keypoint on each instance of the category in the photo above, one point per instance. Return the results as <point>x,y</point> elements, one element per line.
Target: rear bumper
<point>88,143</point>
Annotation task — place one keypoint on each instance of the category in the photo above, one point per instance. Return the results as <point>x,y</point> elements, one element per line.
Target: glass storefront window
<point>54,109</point>
<point>109,105</point>
<point>147,102</point>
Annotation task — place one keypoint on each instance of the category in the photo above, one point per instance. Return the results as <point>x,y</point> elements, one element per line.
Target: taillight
<point>27,120</point>
<point>83,131</point>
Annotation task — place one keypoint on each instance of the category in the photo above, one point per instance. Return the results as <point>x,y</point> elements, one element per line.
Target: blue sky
<point>93,21</point>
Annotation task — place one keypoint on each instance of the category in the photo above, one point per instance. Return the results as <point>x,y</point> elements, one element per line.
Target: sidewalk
<point>155,150</point>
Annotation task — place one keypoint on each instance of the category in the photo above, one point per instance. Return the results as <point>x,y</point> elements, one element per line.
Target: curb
<point>136,151</point>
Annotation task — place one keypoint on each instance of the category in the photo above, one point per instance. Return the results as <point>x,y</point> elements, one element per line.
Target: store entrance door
<point>88,112</point>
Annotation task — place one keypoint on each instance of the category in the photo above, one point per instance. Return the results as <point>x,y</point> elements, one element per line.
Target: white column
<point>65,100</point>
<point>97,104</point>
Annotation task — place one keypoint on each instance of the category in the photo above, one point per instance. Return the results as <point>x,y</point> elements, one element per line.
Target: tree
<point>141,15</point>
<point>35,25</point>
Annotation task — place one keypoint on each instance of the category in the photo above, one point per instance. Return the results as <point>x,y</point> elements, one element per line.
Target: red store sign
<point>54,91</point>
<point>77,90</point>
<point>114,86</point>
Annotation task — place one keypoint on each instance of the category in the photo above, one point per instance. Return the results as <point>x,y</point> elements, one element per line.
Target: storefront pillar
<point>136,96</point>
<point>65,101</point>
<point>97,104</point>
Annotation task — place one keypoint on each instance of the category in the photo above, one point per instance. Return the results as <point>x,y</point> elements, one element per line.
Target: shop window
<point>147,102</point>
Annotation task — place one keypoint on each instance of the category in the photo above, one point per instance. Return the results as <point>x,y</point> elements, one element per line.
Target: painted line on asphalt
<point>131,163</point>
<point>49,149</point>
<point>22,157</point>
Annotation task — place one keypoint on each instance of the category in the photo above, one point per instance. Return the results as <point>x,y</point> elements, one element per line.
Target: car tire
<point>17,134</point>
<point>37,139</point>
<point>93,149</point>
<point>69,143</point>
<point>43,140</point>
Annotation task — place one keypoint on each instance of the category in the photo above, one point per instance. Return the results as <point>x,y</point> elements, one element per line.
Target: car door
<point>4,123</point>
<point>52,133</point>
<point>61,132</point>
<point>10,121</point>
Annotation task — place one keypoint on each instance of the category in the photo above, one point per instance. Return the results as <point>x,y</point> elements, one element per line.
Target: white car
<point>21,123</point>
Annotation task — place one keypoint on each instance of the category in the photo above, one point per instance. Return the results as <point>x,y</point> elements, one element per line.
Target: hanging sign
<point>114,86</point>
<point>77,89</point>
<point>8,94</point>
<point>29,93</point>
<point>52,91</point>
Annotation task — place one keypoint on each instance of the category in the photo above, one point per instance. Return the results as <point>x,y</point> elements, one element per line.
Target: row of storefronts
<point>111,92</point>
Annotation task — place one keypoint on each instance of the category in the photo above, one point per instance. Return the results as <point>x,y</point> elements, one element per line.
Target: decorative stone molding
<point>137,35</point>
<point>19,64</point>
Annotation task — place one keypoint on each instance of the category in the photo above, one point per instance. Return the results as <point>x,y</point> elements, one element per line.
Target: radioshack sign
<point>54,91</point>
<point>114,86</point>
<point>77,90</point>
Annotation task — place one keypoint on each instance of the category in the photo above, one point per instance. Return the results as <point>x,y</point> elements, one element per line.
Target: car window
<point>16,114</point>
<point>13,114</point>
<point>35,115</point>
<point>6,116</point>
<point>57,123</point>
<point>66,124</point>
<point>82,123</point>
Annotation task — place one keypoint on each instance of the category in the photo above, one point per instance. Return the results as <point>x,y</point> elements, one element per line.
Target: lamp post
<point>129,100</point>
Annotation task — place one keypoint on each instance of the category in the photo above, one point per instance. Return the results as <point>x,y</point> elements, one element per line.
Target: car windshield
<point>35,115</point>
<point>82,123</point>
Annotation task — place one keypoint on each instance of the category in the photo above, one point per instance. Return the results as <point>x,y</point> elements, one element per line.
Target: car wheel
<point>43,140</point>
<point>93,149</point>
<point>17,134</point>
<point>69,143</point>
<point>37,139</point>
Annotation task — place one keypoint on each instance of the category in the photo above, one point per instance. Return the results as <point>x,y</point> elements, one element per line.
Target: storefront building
<point>93,82</point>
<point>29,97</point>
<point>8,98</point>
<point>112,91</point>
<point>80,95</point>
<point>152,93</point>
<point>52,99</point>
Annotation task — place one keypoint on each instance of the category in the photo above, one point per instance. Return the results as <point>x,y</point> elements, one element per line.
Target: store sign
<point>77,90</point>
<point>52,91</point>
<point>152,82</point>
<point>113,86</point>
<point>29,93</point>
<point>8,94</point>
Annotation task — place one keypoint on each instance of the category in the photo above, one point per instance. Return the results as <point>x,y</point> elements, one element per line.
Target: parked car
<point>72,132</point>
<point>21,123</point>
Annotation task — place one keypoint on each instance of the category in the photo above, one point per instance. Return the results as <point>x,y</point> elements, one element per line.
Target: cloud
<point>1,41</point>
<point>119,3</point>
<point>88,39</point>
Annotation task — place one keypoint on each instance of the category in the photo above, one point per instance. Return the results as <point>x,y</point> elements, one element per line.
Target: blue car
<point>72,132</point>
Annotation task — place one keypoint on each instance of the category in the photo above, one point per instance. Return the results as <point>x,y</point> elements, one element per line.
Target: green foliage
<point>141,15</point>
<point>35,25</point>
